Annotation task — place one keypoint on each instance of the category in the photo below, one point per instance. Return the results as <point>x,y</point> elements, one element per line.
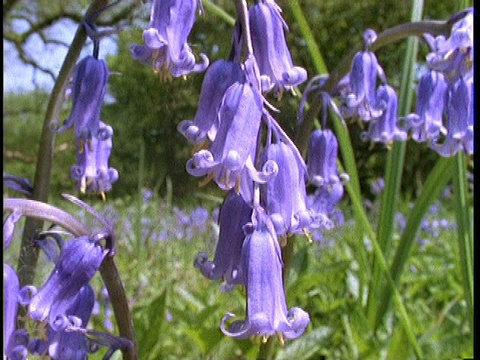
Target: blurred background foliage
<point>144,110</point>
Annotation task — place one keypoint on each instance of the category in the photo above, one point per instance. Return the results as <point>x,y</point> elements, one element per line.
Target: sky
<point>18,77</point>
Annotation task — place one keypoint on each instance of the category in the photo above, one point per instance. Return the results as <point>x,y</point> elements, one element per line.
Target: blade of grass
<point>218,11</point>
<point>465,233</point>
<point>436,181</point>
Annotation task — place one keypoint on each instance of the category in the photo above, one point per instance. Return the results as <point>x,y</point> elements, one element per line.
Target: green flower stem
<point>28,257</point>
<point>266,349</point>
<point>394,171</point>
<point>465,231</point>
<point>218,11</point>
<point>242,15</point>
<point>108,270</point>
<point>307,35</point>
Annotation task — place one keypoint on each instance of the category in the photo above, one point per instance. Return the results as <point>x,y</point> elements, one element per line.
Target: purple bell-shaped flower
<point>234,214</point>
<point>365,70</point>
<point>88,91</point>
<point>459,114</point>
<point>267,312</point>
<point>166,49</point>
<point>79,260</point>
<point>218,78</point>
<point>230,158</point>
<point>384,129</point>
<point>427,122</point>
<point>271,50</point>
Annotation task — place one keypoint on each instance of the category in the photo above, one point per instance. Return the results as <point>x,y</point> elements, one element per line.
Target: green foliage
<point>23,118</point>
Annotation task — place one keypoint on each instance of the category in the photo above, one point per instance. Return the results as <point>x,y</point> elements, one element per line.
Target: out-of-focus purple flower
<point>459,115</point>
<point>79,260</point>
<point>322,158</point>
<point>323,173</point>
<point>147,194</point>
<point>267,312</point>
<point>9,227</point>
<point>271,50</point>
<point>218,78</point>
<point>234,214</point>
<point>199,217</point>
<point>384,128</point>
<point>427,121</point>
<point>454,56</point>
<point>92,172</point>
<point>363,83</point>
<point>89,89</point>
<point>22,185</point>
<point>230,158</point>
<point>166,49</point>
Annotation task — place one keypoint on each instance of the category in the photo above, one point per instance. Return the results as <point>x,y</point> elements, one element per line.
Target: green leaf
<point>148,321</point>
<point>307,345</point>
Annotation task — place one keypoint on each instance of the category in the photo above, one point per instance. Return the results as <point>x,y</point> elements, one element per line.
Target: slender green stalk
<point>307,35</point>
<point>218,11</point>
<point>266,349</point>
<point>465,231</point>
<point>394,172</point>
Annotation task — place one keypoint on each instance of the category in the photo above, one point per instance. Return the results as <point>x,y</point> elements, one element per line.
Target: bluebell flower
<point>453,56</point>
<point>218,78</point>
<point>427,121</point>
<point>322,159</point>
<point>20,184</point>
<point>92,172</point>
<point>9,227</point>
<point>79,261</point>
<point>88,91</point>
<point>267,312</point>
<point>459,118</point>
<point>285,195</point>
<point>66,340</point>
<point>323,174</point>
<point>271,50</point>
<point>230,158</point>
<point>234,214</point>
<point>385,129</point>
<point>15,341</point>
<point>166,49</point>
<point>363,77</point>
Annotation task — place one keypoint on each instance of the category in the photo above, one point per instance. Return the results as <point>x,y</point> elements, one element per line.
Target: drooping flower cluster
<point>244,150</point>
<point>62,306</point>
<point>372,103</point>
<point>92,173</point>
<point>443,116</point>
